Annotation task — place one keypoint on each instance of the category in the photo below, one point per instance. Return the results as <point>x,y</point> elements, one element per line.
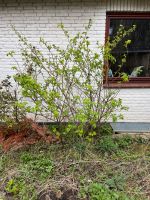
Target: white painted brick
<point>35,18</point>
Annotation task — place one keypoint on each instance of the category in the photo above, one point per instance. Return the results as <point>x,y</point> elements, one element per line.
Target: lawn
<point>105,169</point>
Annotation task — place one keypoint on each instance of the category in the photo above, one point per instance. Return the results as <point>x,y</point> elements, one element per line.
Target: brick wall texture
<point>35,18</point>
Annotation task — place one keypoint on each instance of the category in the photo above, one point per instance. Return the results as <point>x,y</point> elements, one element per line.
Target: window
<point>137,64</point>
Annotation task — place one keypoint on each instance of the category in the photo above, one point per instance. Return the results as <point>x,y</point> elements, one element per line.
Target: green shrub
<point>96,191</point>
<point>66,84</point>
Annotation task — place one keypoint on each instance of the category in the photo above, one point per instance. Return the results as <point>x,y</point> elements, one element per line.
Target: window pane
<point>138,54</point>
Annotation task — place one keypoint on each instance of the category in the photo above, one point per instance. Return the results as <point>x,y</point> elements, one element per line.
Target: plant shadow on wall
<point>66,84</point>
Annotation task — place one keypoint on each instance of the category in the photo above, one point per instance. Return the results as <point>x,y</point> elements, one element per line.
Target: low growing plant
<point>116,182</point>
<point>106,144</point>
<point>26,191</point>
<point>12,187</point>
<point>20,189</point>
<point>3,161</point>
<point>34,166</point>
<point>96,191</point>
<point>124,141</point>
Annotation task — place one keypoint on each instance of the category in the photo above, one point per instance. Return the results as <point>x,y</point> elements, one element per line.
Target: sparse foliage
<point>10,113</point>
<point>66,84</point>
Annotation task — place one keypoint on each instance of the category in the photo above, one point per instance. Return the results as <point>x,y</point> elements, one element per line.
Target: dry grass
<point>75,166</point>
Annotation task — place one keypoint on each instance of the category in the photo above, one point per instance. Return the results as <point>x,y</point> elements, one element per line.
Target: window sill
<point>139,82</point>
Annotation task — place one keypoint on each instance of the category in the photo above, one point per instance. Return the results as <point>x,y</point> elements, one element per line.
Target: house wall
<point>128,5</point>
<point>36,18</point>
<point>138,100</point>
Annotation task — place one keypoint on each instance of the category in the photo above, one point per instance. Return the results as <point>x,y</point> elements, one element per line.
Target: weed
<point>12,187</point>
<point>141,140</point>
<point>36,166</point>
<point>113,145</point>
<point>80,147</point>
<point>96,191</point>
<point>124,142</point>
<point>26,191</point>
<point>20,189</point>
<point>79,167</point>
<point>116,182</point>
<point>106,144</point>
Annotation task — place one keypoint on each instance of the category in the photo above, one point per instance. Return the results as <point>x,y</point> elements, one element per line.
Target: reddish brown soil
<point>26,133</point>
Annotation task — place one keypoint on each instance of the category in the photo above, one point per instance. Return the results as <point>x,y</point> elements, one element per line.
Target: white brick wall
<point>36,18</point>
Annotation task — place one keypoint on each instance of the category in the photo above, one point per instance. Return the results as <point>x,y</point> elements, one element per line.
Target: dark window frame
<point>136,82</point>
